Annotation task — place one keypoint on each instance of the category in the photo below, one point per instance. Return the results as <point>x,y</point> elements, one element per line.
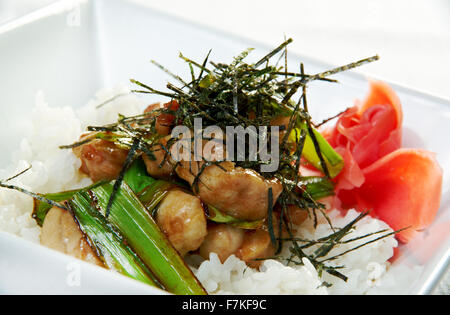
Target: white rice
<point>366,268</point>
<point>53,169</point>
<point>234,277</point>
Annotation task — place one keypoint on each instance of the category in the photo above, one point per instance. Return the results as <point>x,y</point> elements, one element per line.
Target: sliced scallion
<point>41,208</point>
<point>333,160</point>
<point>218,216</point>
<point>140,231</point>
<point>108,244</point>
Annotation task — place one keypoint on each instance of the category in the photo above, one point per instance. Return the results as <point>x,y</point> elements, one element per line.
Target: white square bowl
<point>71,49</point>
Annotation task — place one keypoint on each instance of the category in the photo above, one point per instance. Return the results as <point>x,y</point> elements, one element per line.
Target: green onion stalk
<point>130,217</point>
<point>107,242</point>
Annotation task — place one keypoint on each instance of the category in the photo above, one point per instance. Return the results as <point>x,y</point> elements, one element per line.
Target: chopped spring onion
<point>317,187</point>
<point>333,160</point>
<point>218,216</point>
<point>109,245</point>
<point>137,177</point>
<point>153,194</point>
<point>41,208</point>
<point>141,233</point>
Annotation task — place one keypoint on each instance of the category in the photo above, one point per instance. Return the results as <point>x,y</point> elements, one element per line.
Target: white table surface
<point>412,37</point>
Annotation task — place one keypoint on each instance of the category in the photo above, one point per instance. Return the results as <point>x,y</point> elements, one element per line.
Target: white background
<point>412,37</point>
